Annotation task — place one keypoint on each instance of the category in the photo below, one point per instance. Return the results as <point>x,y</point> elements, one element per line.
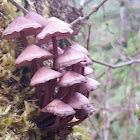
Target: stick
<point>89,14</point>
<point>19,6</point>
<point>119,65</point>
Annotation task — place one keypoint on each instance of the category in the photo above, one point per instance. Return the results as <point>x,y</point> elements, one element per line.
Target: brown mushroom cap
<point>90,85</point>
<point>21,24</point>
<point>68,58</point>
<point>54,28</point>
<point>43,75</point>
<point>70,78</point>
<point>59,108</point>
<point>88,71</point>
<point>77,101</point>
<point>87,111</point>
<point>30,53</point>
<point>36,18</point>
<point>79,48</point>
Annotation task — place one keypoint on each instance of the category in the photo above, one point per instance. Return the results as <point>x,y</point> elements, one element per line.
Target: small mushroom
<point>31,53</point>
<point>70,78</point>
<point>43,75</point>
<point>60,30</point>
<point>60,109</point>
<point>68,58</point>
<point>90,85</point>
<point>77,101</point>
<point>87,111</point>
<point>19,26</point>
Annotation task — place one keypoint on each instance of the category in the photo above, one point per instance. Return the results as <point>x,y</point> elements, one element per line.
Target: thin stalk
<point>52,83</point>
<point>22,35</point>
<point>46,96</point>
<point>66,120</point>
<point>55,49</point>
<point>62,92</point>
<point>55,126</point>
<point>19,6</point>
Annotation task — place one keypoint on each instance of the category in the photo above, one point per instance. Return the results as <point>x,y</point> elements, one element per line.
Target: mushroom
<point>87,111</point>
<point>43,75</point>
<point>70,78</point>
<point>54,30</point>
<point>30,53</point>
<point>67,83</point>
<point>21,27</point>
<point>90,85</point>
<point>60,109</point>
<point>77,101</point>
<point>68,58</point>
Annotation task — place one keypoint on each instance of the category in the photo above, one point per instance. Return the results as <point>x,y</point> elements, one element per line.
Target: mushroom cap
<point>77,101</point>
<point>21,24</point>
<point>59,108</point>
<point>43,75</point>
<point>87,62</point>
<point>30,53</point>
<point>90,85</point>
<point>36,18</point>
<point>68,58</point>
<point>88,71</point>
<point>50,49</point>
<point>70,78</point>
<point>79,48</point>
<point>54,28</point>
<point>87,111</point>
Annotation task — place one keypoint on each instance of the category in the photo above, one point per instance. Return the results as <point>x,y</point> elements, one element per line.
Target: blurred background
<point>114,39</point>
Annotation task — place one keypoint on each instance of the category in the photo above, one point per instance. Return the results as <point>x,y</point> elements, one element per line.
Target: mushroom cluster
<point>62,90</point>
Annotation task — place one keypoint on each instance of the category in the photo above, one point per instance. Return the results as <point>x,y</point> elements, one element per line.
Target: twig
<point>98,133</point>
<point>118,43</point>
<point>89,31</point>
<point>19,6</point>
<point>119,65</point>
<point>95,9</point>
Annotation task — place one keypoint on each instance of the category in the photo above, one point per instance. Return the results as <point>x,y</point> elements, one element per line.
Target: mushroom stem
<point>46,96</point>
<point>55,49</point>
<point>52,84</point>
<point>34,66</point>
<point>76,122</point>
<point>38,93</point>
<point>56,124</point>
<point>66,120</point>
<point>25,42</point>
<point>62,92</point>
